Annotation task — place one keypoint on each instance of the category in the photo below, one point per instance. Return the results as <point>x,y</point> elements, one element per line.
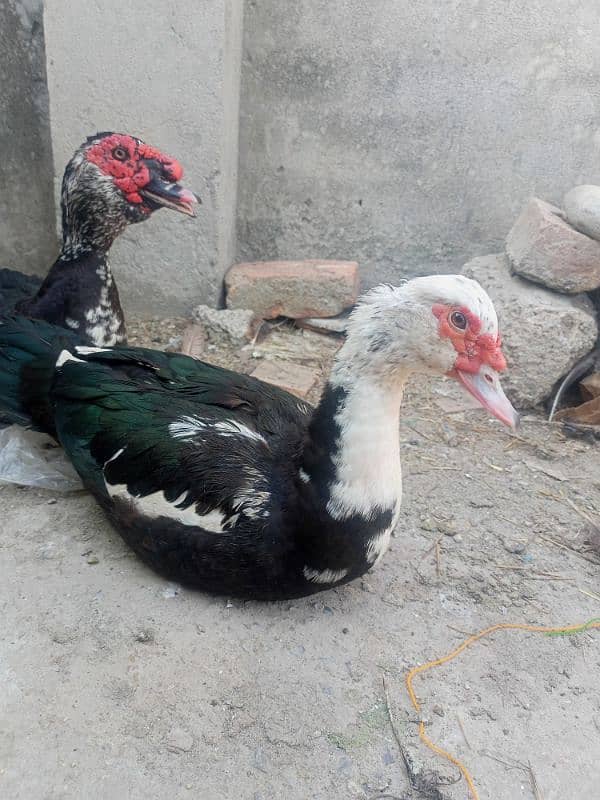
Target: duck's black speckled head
<point>114,180</point>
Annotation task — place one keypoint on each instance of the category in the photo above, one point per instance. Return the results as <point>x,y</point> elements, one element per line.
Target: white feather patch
<point>65,356</point>
<point>114,458</point>
<point>156,505</point>
<point>104,323</point>
<point>324,575</point>
<point>252,503</point>
<point>87,351</point>
<point>378,545</point>
<point>189,426</point>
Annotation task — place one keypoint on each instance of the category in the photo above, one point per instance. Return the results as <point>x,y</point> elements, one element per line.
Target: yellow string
<point>444,660</point>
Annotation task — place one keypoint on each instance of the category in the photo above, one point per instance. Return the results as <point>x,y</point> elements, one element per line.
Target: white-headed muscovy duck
<point>112,181</point>
<point>228,484</point>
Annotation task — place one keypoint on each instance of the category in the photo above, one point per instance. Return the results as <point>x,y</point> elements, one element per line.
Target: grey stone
<point>234,327</point>
<point>582,209</point>
<point>545,249</point>
<point>543,333</point>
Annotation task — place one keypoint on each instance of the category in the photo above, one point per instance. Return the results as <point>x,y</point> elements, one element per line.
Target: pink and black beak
<point>160,192</point>
<point>486,389</point>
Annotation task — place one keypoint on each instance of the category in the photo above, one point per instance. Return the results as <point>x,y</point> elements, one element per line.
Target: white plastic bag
<point>34,459</point>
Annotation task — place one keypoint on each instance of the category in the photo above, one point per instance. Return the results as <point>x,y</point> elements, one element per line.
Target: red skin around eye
<point>474,348</point>
<point>132,174</point>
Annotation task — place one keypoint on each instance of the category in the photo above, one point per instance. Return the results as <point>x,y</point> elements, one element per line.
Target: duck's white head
<point>444,324</point>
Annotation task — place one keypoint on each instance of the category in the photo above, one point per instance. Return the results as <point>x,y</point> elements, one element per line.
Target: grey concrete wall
<point>169,73</point>
<point>27,233</point>
<point>407,135</point>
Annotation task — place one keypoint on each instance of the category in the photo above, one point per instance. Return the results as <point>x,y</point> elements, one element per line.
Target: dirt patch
<point>119,685</point>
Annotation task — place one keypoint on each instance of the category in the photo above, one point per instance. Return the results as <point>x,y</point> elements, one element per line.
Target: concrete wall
<point>408,134</point>
<point>169,73</point>
<point>27,234</point>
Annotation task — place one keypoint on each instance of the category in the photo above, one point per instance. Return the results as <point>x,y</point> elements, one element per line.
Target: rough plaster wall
<point>166,72</point>
<point>27,233</point>
<point>408,135</point>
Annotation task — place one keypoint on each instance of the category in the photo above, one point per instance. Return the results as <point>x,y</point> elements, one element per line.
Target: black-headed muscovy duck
<point>228,484</point>
<point>112,181</point>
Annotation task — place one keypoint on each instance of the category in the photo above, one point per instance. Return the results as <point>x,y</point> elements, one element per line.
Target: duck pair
<point>222,482</point>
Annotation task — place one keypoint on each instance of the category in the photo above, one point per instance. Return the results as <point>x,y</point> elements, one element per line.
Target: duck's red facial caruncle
<point>474,347</point>
<point>479,359</point>
<point>146,177</point>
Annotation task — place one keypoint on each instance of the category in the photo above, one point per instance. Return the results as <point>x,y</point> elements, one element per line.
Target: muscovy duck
<point>112,181</point>
<point>228,484</point>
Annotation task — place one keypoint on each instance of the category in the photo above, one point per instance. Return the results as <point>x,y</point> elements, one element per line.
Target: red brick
<point>293,289</point>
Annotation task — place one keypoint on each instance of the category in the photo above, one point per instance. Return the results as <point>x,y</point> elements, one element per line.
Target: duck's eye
<point>458,320</point>
<point>120,154</point>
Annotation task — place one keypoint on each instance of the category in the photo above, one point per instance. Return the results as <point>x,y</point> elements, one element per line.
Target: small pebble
<point>449,529</point>
<point>52,501</point>
<point>144,636</point>
<point>514,545</point>
<point>93,560</point>
<point>345,630</point>
<point>437,709</point>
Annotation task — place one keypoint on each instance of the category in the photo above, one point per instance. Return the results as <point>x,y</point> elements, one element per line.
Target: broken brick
<point>293,289</point>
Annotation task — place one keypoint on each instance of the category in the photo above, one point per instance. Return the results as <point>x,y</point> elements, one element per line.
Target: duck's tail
<point>29,350</point>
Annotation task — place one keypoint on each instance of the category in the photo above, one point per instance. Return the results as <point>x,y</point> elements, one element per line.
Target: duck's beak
<point>170,195</point>
<point>486,389</point>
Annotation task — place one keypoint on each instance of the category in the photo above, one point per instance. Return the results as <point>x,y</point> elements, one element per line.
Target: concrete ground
<point>117,685</point>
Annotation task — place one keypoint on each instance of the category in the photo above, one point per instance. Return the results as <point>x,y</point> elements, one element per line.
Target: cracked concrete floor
<point>116,684</point>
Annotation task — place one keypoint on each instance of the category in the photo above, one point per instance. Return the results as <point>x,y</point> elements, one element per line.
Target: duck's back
<point>195,465</point>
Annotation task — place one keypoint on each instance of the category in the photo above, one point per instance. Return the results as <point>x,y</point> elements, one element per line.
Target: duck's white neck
<point>357,422</point>
<point>368,472</point>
